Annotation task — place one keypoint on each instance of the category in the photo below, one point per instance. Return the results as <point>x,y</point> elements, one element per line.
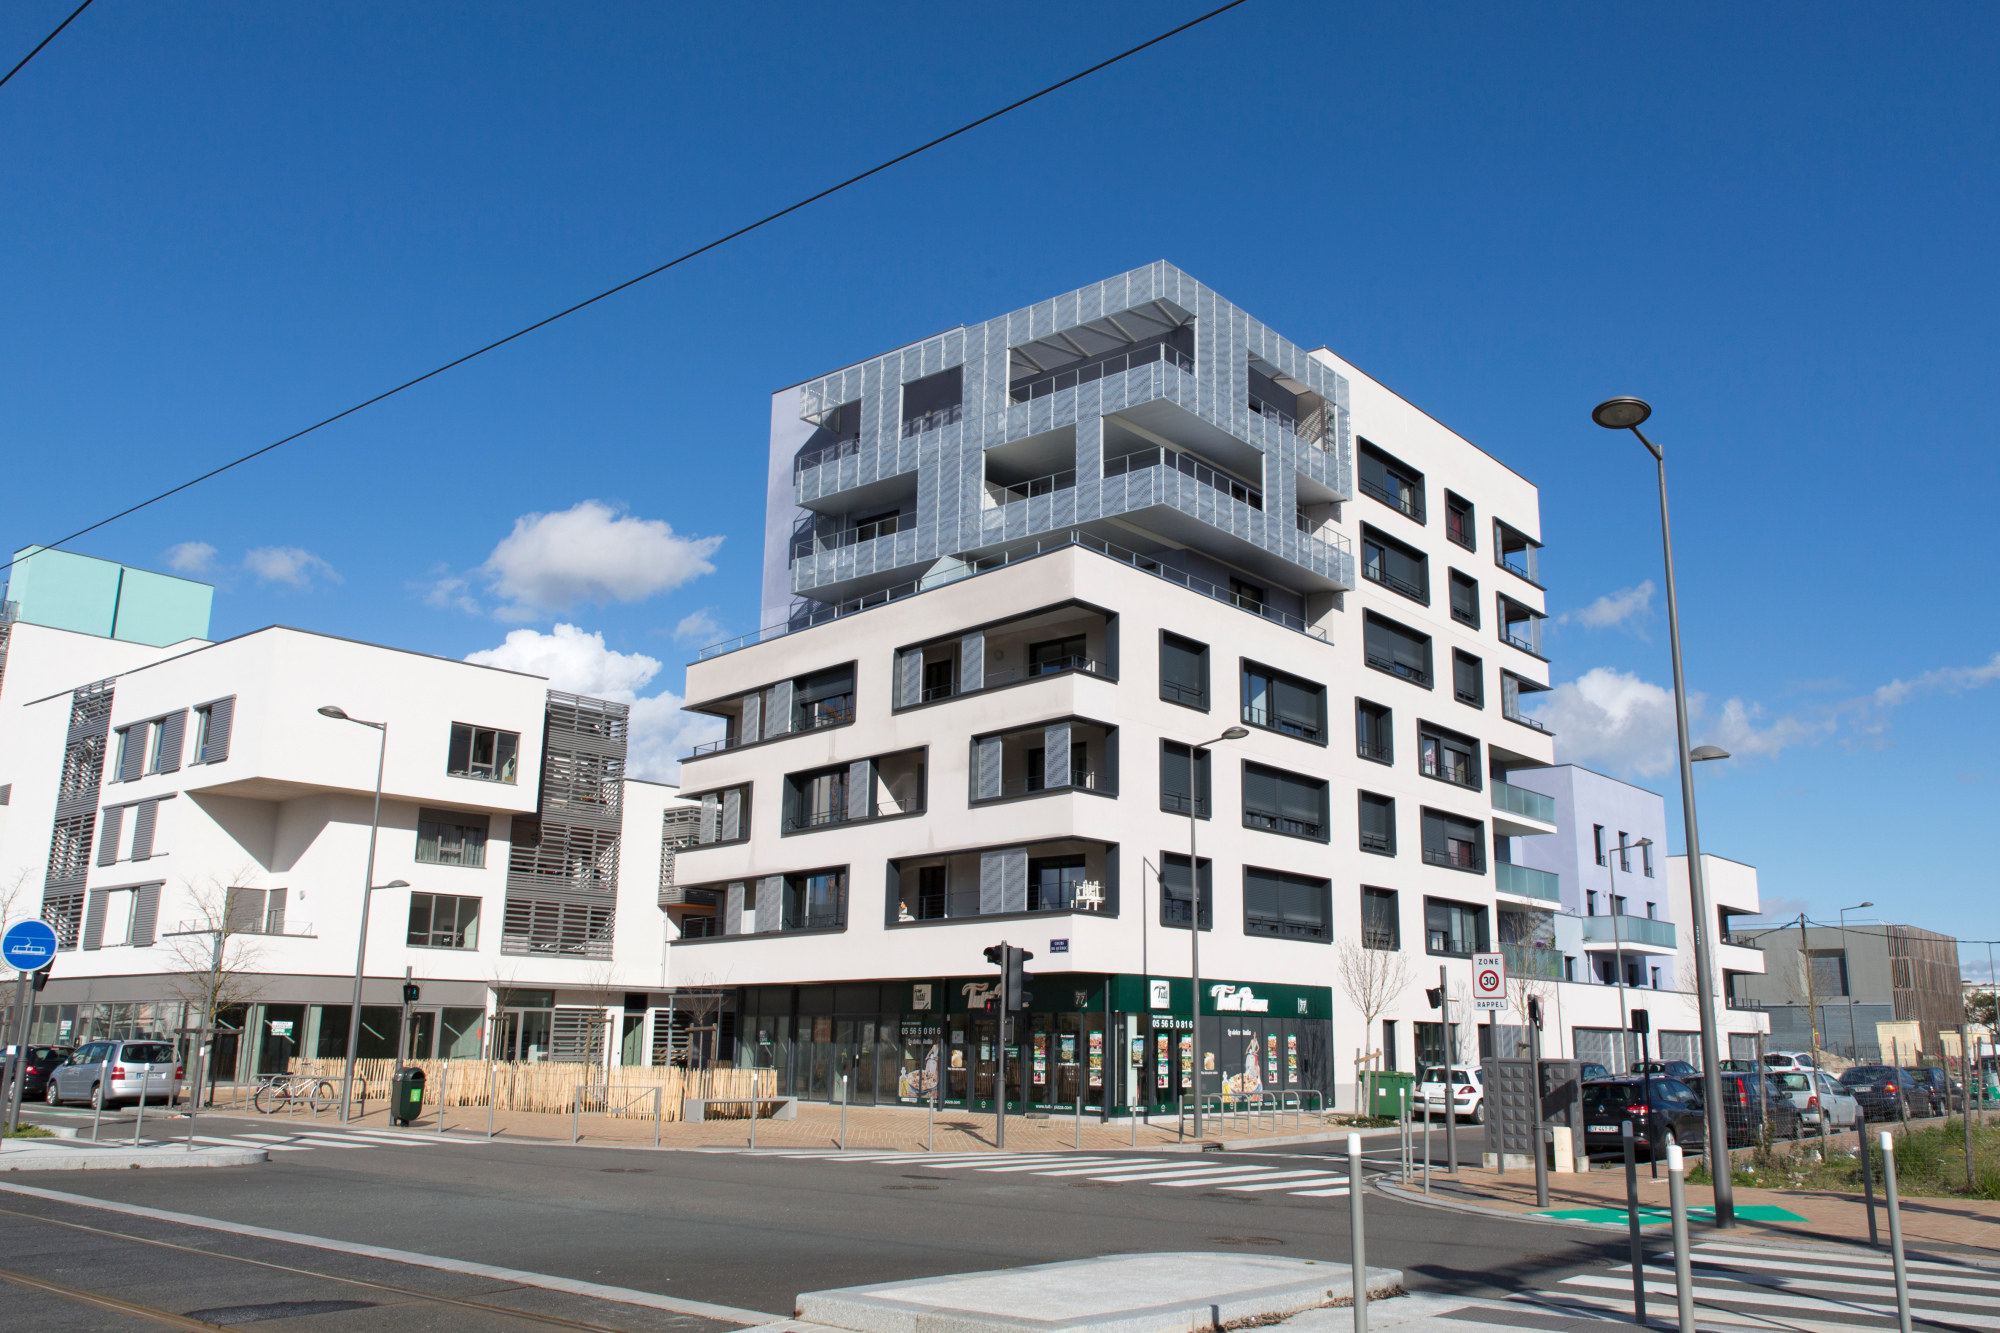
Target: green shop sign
<point>1262,999</point>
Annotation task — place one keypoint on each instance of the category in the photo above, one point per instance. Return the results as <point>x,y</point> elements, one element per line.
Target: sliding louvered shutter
<point>221,720</point>
<point>109,825</point>
<point>146,915</point>
<point>173,732</point>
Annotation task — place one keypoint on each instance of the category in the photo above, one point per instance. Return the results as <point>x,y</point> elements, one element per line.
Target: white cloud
<point>289,565</point>
<point>447,591</point>
<point>590,552</point>
<point>1952,680</point>
<point>1613,609</point>
<point>191,558</point>
<point>1616,721</point>
<point>698,627</point>
<point>580,663</point>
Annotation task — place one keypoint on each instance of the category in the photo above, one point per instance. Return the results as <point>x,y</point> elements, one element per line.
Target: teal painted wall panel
<point>64,590</point>
<point>160,609</point>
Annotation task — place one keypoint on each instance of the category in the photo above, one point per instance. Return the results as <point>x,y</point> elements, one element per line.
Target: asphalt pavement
<point>470,1234</point>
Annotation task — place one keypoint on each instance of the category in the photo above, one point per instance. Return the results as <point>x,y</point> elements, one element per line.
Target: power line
<point>44,42</point>
<point>654,272</point>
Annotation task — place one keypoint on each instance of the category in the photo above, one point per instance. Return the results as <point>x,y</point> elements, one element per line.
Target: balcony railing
<point>1458,855</point>
<point>1533,961</point>
<point>1179,802</point>
<point>1378,842</point>
<point>1524,882</point>
<point>1323,532</point>
<point>819,544</point>
<point>1183,694</point>
<point>1375,572</point>
<point>831,453</point>
<point>1628,930</point>
<point>1186,465</point>
<point>828,712</point>
<point>1380,753</point>
<point>1271,721</point>
<point>812,819</point>
<point>1264,819</point>
<point>1411,504</point>
<point>1389,664</point>
<point>1745,941</point>
<point>998,495</point>
<point>1282,929</point>
<point>1079,778</point>
<point>1312,430</point>
<point>1515,714</point>
<point>1741,1002</point>
<point>1527,804</point>
<point>1524,634</point>
<point>934,419</point>
<point>1049,385</point>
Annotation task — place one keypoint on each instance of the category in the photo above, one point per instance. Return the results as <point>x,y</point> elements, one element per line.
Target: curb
<point>108,1159</point>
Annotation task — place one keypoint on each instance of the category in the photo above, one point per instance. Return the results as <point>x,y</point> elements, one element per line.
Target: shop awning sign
<point>1489,981</point>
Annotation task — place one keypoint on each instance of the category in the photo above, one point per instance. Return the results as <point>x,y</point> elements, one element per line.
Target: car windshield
<point>1792,1082</point>
<point>1435,1074</point>
<point>146,1053</point>
<point>1609,1095</point>
<point>1866,1074</point>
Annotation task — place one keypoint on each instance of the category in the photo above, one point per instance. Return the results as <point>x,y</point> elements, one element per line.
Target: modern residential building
<point>1854,991</point>
<point>1603,911</point>
<point>162,795</point>
<point>1020,577</point>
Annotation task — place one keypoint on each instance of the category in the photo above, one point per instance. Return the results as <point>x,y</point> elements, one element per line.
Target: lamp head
<point>1234,734</point>
<point>1643,842</point>
<point>1621,413</point>
<point>1707,752</point>
<point>328,710</point>
<point>395,884</point>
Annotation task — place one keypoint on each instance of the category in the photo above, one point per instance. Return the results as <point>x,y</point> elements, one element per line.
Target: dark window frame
<point>1375,844</point>
<point>1391,465</point>
<point>1386,752</point>
<point>464,822</point>
<point>1446,738</point>
<point>1170,693</point>
<point>1482,927</point>
<point>1449,823</point>
<point>461,926</point>
<point>1265,925</point>
<point>1204,886</point>
<point>505,764</point>
<point>1201,781</point>
<point>1372,927</point>
<point>1372,535</point>
<point>1456,502</point>
<point>1247,667</point>
<point>1388,666</point>
<point>1277,819</point>
<point>1477,696</point>
<point>1454,580</point>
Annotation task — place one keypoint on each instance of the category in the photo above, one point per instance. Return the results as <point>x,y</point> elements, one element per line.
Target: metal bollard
<point>1683,1264</point>
<point>1632,1224</point>
<point>1360,1252</point>
<point>96,1109</point>
<point>444,1081</point>
<point>1867,1176</point>
<point>1896,1231</point>
<point>930,1123</point>
<point>1403,1125</point>
<point>1544,1148</point>
<point>1427,1147</point>
<point>1079,1115</point>
<point>139,1125</point>
<point>575,1113</point>
<point>843,1113</point>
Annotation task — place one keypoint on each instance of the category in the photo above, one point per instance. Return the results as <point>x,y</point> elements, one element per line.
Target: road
<point>695,1228</point>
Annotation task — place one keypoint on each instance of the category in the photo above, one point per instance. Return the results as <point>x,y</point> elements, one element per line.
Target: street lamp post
<point>1847,982</point>
<point>1194,912</point>
<point>368,887</point>
<point>1628,414</point>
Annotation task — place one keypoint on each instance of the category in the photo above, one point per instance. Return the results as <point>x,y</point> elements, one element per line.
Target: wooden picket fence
<point>550,1086</point>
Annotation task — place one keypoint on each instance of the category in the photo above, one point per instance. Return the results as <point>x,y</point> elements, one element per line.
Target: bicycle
<point>277,1092</point>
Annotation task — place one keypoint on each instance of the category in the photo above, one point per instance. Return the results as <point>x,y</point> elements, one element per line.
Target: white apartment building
<point>1013,573</point>
<point>158,794</point>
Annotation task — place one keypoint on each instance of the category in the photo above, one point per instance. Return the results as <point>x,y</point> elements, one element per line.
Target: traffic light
<point>1535,1012</point>
<point>410,992</point>
<point>1642,1022</point>
<point>1015,995</point>
<point>997,955</point>
<point>1436,996</point>
<point>42,977</point>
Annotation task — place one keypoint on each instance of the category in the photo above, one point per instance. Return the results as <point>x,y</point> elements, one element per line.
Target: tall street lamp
<point>1628,414</point>
<point>1847,981</point>
<point>368,887</point>
<point>1194,912</point>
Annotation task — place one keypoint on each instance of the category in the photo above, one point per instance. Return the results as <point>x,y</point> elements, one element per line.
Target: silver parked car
<point>1817,1094</point>
<point>106,1073</point>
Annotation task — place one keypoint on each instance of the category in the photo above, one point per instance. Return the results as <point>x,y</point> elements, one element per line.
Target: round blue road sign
<point>28,946</point>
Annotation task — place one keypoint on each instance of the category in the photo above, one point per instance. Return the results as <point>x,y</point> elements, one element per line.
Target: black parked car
<point>1756,1107</point>
<point>41,1059</point>
<point>1679,1069</point>
<point>1662,1111</point>
<point>1885,1092</point>
<point>1933,1089</point>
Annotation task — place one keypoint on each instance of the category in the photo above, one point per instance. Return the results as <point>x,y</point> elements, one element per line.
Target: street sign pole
<point>20,1065</point>
<point>27,947</point>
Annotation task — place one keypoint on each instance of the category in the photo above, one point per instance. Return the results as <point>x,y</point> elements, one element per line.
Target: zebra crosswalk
<point>308,1140</point>
<point>1180,1172</point>
<point>1746,1286</point>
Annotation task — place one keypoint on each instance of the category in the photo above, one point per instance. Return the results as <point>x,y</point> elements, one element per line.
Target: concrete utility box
<point>1511,1106</point>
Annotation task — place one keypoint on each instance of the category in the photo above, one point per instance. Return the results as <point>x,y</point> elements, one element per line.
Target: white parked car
<point>1817,1095</point>
<point>1793,1061</point>
<point>1468,1094</point>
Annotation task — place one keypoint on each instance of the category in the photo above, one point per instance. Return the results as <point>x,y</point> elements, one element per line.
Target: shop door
<point>422,1040</point>
<point>278,1037</point>
<point>986,1064</point>
<point>523,1034</point>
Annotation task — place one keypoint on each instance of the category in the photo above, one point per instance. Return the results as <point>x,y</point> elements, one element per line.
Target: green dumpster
<point>1390,1093</point>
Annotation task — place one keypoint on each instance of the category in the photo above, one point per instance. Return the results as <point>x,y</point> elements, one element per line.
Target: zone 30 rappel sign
<point>1489,981</point>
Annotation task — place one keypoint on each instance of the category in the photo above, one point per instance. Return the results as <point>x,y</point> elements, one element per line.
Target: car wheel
<point>49,1093</point>
<point>97,1102</point>
<point>1478,1116</point>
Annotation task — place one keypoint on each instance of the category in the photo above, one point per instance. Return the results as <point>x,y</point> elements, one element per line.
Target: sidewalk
<point>818,1126</point>
<point>65,1154</point>
<point>1789,1215</point>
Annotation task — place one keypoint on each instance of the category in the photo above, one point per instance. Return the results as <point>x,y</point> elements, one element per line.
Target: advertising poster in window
<point>1041,1058</point>
<point>1271,1060</point>
<point>1291,1057</point>
<point>1067,1042</point>
<point>918,1078</point>
<point>1097,1059</point>
<point>1162,1067</point>
<point>1187,1059</point>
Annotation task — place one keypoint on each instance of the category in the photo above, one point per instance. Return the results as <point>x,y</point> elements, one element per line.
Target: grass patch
<point>27,1131</point>
<point>1930,1163</point>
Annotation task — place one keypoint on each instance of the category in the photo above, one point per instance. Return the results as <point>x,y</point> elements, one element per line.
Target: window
<point>482,752</point>
<point>1278,702</point>
<point>1464,599</point>
<point>1454,842</point>
<point>816,799</point>
<point>931,893</point>
<point>1454,928</point>
<point>1181,790</point>
<point>1282,802</point>
<point>823,699</point>
<point>1646,859</point>
<point>940,679</point>
<point>1052,882</point>
<point>1597,841</point>
<point>1624,852</point>
<point>440,921</point>
<point>1391,481</point>
<point>1249,596</point>
<point>1378,824</point>
<point>1184,671</point>
<point>254,911</point>
<point>451,838</point>
<point>933,401</point>
<point>1590,902</point>
<point>1516,552</point>
<point>1399,568</point>
<point>1521,625</point>
<point>1458,520</point>
<point>1381,919</point>
<point>1397,649</point>
<point>1079,766</point>
<point>1290,907</point>
<point>725,815</point>
<point>816,900</point>
<point>1053,655</point>
<point>1468,680</point>
<point>1447,756</point>
<point>1177,897</point>
<point>1372,732</point>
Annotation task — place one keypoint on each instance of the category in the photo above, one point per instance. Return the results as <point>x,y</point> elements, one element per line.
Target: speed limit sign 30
<point>1489,981</point>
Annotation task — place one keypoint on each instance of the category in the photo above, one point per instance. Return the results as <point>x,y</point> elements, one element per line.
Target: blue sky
<point>225,221</point>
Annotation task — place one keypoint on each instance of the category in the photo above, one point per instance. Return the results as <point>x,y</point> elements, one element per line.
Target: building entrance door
<point>522,1034</point>
<point>422,1039</point>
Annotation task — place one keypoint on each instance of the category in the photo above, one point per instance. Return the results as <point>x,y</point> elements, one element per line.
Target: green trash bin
<point>1390,1093</point>
<point>406,1095</point>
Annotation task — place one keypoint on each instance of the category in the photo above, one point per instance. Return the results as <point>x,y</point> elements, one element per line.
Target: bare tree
<point>14,895</point>
<point>1521,989</point>
<point>215,957</point>
<point>1373,980</point>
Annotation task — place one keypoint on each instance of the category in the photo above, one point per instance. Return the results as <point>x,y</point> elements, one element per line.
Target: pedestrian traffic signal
<point>1535,1012</point>
<point>1642,1022</point>
<point>42,977</point>
<point>997,955</point>
<point>410,992</point>
<point>1436,996</point>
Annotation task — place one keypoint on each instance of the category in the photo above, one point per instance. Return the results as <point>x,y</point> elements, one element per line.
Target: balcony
<point>1524,882</point>
<point>828,818</point>
<point>1081,779</point>
<point>1298,828</point>
<point>1050,385</point>
<point>999,496</point>
<point>820,543</point>
<point>936,419</point>
<point>1313,431</point>
<point>1527,804</point>
<point>1533,962</point>
<point>832,453</point>
<point>1187,465</point>
<point>1637,934</point>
